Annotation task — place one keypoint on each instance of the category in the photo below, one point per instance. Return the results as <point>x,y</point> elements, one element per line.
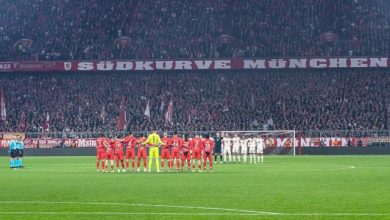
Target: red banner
<point>206,64</point>
<point>40,66</point>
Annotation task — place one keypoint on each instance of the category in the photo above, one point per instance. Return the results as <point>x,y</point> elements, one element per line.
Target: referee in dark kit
<point>218,148</point>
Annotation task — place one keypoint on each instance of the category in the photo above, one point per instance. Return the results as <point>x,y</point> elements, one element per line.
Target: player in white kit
<point>236,148</point>
<point>252,149</point>
<point>244,148</point>
<point>259,149</point>
<point>226,141</point>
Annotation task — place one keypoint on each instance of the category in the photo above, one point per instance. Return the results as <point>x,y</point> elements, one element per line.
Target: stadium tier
<point>183,34</point>
<point>194,109</point>
<point>172,29</point>
<point>196,100</point>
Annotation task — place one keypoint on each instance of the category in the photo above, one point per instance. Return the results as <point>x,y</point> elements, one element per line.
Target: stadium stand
<point>178,29</point>
<point>83,30</point>
<point>230,101</point>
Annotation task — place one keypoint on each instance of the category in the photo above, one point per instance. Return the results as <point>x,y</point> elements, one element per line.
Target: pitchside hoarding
<point>205,64</point>
<point>270,142</point>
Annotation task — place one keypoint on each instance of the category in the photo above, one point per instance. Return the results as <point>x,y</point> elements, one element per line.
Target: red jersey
<point>131,142</point>
<point>118,145</point>
<point>167,142</point>
<point>186,146</point>
<point>140,141</point>
<point>197,144</point>
<point>208,145</point>
<point>176,142</point>
<point>112,143</point>
<point>100,142</point>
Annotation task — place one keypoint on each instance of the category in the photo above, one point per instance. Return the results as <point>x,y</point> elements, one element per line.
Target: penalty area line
<point>143,205</point>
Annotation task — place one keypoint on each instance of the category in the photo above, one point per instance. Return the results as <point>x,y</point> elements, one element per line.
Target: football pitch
<point>284,187</point>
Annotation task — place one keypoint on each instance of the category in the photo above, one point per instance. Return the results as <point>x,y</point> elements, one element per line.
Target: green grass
<point>307,187</point>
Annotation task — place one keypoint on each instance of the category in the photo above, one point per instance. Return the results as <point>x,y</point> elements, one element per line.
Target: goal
<point>277,142</point>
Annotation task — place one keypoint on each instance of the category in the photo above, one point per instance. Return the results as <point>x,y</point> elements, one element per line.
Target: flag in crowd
<point>2,106</point>
<point>46,125</point>
<point>80,113</point>
<point>22,122</point>
<point>162,105</point>
<point>147,110</point>
<point>122,115</point>
<point>103,114</point>
<point>169,113</point>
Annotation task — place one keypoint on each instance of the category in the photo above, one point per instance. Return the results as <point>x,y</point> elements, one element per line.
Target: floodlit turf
<point>284,187</point>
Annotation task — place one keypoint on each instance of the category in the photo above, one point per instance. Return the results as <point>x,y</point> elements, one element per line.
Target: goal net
<point>276,142</point>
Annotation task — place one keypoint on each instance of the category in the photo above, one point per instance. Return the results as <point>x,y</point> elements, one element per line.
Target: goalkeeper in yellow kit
<point>154,143</point>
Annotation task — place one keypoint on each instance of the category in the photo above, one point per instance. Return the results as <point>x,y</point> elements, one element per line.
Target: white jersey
<point>236,142</point>
<point>226,142</point>
<point>260,145</point>
<point>244,145</point>
<point>227,150</point>
<point>252,143</point>
<point>259,142</point>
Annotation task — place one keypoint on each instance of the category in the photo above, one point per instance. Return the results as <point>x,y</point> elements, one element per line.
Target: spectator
<point>168,29</point>
<point>309,100</point>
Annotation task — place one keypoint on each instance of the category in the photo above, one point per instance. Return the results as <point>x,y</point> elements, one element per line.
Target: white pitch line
<point>337,214</point>
<point>193,214</point>
<point>239,212</point>
<point>135,213</point>
<point>143,205</point>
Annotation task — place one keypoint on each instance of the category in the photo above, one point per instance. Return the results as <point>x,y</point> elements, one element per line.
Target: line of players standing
<point>175,150</point>
<point>232,147</point>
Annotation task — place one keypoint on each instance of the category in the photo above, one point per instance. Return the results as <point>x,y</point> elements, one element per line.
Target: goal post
<point>277,142</point>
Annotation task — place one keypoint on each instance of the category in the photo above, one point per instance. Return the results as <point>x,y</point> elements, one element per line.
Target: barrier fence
<point>309,138</point>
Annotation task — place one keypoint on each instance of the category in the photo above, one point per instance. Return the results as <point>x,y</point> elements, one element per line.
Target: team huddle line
<point>179,153</point>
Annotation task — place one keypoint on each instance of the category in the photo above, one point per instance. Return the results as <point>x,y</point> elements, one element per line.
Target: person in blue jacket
<point>20,152</point>
<point>16,150</point>
<point>13,151</point>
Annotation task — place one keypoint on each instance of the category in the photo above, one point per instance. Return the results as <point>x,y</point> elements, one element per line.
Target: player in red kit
<point>176,143</point>
<point>110,148</point>
<point>100,152</point>
<point>165,154</point>
<point>118,155</point>
<point>196,153</point>
<point>141,152</point>
<point>186,153</point>
<point>208,147</point>
<point>130,142</point>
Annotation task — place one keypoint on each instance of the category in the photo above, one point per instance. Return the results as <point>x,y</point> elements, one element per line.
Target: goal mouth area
<point>276,141</point>
<point>271,133</point>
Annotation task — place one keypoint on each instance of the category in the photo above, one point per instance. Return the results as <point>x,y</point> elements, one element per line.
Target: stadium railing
<point>306,133</point>
<point>368,137</point>
<point>307,138</point>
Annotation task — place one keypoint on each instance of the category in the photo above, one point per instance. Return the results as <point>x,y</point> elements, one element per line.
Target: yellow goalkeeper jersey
<point>153,140</point>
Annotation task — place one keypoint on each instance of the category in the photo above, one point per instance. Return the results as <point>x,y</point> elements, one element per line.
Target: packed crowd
<point>131,29</point>
<point>220,101</point>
